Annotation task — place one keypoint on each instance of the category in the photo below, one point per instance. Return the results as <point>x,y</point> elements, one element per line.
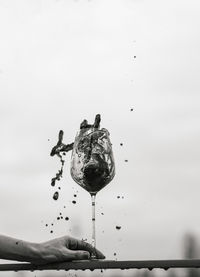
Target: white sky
<point>63,61</point>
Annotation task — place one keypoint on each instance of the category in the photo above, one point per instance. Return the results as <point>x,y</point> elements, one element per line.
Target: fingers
<point>75,244</point>
<point>77,255</point>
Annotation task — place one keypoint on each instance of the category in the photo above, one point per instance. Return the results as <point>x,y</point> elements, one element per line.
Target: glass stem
<point>93,196</point>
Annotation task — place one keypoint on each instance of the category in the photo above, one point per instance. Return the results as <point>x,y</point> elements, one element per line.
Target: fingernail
<point>86,255</point>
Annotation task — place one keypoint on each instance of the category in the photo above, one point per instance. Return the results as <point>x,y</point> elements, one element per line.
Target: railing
<point>106,264</point>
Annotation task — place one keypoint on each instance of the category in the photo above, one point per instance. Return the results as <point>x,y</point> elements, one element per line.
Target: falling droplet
<point>66,218</point>
<point>53,181</point>
<point>74,202</point>
<point>56,195</point>
<point>118,227</point>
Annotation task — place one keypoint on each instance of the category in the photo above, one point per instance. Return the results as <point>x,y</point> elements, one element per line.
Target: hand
<point>66,249</point>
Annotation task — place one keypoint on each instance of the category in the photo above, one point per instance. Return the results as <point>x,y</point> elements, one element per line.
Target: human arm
<point>57,250</point>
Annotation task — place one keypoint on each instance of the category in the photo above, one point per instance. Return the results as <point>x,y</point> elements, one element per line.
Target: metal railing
<point>106,264</point>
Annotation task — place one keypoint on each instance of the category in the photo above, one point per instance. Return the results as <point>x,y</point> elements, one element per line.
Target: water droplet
<point>114,254</point>
<point>53,181</point>
<point>75,195</point>
<point>56,195</point>
<point>102,213</point>
<point>118,196</point>
<point>126,161</point>
<point>74,202</point>
<point>58,218</point>
<point>46,225</point>
<point>121,144</point>
<point>51,231</point>
<point>66,218</point>
<point>118,227</point>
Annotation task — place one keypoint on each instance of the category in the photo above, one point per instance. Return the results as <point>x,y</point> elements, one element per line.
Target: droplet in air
<point>126,161</point>
<point>118,227</point>
<point>121,144</point>
<point>66,218</point>
<point>74,202</point>
<point>53,181</point>
<point>56,195</point>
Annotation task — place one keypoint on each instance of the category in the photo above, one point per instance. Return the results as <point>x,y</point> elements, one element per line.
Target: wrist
<point>33,254</point>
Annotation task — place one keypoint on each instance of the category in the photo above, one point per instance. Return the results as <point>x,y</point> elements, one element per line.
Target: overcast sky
<point>63,61</point>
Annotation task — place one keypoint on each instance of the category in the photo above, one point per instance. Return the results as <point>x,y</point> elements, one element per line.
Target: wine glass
<point>92,164</point>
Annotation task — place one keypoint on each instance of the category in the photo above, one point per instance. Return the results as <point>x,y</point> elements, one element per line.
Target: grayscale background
<point>66,60</point>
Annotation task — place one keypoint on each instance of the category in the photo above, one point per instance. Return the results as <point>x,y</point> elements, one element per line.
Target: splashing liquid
<point>57,150</point>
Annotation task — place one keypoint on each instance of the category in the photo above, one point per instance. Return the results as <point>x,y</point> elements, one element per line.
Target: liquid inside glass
<point>92,163</point>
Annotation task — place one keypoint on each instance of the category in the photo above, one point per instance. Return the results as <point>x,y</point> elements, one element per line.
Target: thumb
<point>80,255</point>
